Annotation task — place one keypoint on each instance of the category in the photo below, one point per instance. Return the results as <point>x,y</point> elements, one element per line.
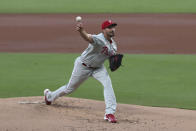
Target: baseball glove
<point>115,61</point>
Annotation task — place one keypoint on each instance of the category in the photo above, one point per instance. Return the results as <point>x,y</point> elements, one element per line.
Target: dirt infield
<point>136,33</point>
<point>71,114</point>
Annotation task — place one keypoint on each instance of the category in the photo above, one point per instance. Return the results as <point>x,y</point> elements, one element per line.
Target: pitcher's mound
<point>72,114</point>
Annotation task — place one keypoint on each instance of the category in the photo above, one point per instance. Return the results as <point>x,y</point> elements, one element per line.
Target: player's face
<point>110,31</point>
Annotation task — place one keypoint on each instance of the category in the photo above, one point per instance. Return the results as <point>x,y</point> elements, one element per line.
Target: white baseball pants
<point>80,74</point>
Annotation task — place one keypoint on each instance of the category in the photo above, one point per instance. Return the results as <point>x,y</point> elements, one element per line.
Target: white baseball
<point>78,18</point>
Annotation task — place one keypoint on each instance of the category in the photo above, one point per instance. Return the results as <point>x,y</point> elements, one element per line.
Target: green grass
<point>94,6</point>
<point>154,80</point>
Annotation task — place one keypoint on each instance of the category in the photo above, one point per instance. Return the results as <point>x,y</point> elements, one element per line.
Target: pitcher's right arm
<point>83,33</point>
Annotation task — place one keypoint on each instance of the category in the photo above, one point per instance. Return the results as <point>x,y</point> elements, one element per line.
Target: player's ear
<point>103,30</point>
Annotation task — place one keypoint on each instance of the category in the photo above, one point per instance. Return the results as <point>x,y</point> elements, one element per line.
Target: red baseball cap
<point>107,23</point>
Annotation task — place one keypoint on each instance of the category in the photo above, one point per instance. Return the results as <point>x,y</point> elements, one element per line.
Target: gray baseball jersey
<point>99,51</point>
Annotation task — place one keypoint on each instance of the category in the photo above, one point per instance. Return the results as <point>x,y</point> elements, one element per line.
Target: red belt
<point>88,66</point>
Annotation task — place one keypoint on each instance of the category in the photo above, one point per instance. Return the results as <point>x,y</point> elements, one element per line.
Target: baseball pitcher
<point>91,64</point>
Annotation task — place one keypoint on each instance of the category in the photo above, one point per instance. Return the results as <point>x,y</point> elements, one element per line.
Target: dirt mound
<point>73,114</point>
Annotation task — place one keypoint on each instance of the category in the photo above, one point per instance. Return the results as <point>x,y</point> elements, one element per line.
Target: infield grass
<point>153,80</point>
<point>100,6</point>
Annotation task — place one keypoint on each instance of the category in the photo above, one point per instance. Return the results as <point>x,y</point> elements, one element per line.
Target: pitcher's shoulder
<point>98,36</point>
<point>98,39</point>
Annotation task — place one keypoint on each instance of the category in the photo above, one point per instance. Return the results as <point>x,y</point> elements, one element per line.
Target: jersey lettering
<point>105,50</point>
